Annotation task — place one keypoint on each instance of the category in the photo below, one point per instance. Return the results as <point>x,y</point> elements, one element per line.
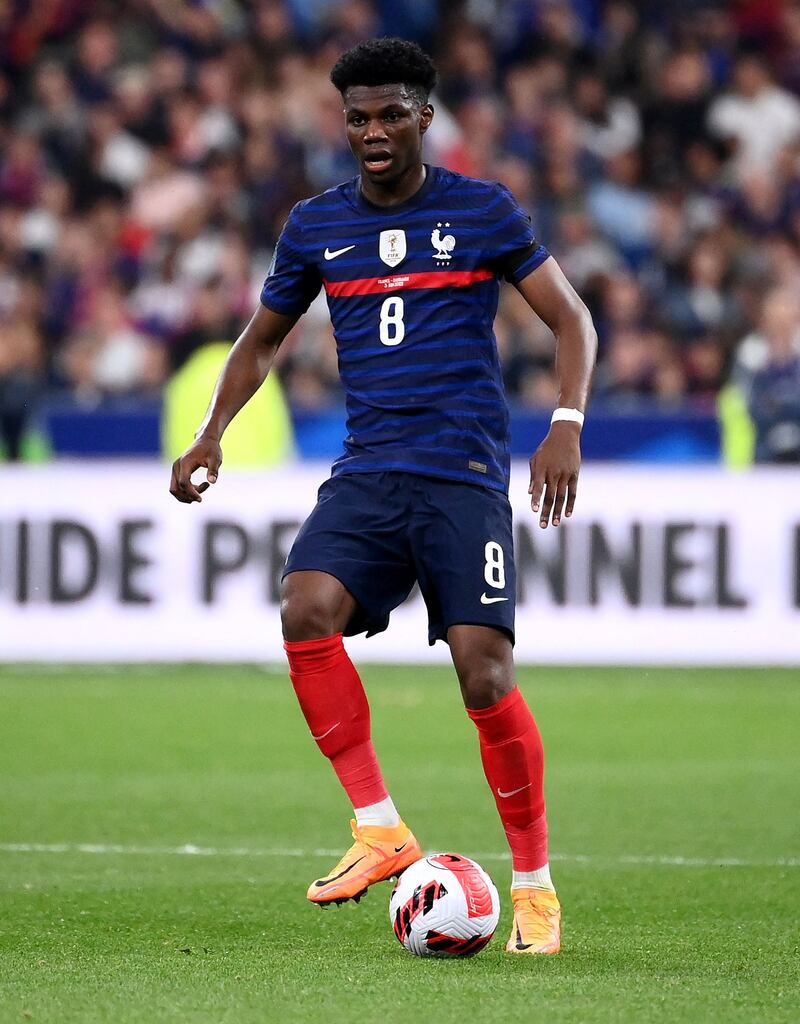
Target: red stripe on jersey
<point>397,282</point>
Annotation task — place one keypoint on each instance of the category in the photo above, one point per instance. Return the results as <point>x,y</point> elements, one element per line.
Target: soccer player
<point>411,258</point>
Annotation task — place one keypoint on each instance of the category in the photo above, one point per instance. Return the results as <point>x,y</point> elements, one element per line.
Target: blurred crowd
<point>150,151</point>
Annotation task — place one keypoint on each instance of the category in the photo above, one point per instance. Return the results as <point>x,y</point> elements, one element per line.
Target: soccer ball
<point>444,905</point>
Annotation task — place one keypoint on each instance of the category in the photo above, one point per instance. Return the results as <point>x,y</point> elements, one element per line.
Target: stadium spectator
<point>22,355</point>
<point>758,118</point>
<point>768,372</point>
<point>609,125</point>
<point>701,300</point>
<point>624,209</point>
<point>675,114</point>
<point>109,355</point>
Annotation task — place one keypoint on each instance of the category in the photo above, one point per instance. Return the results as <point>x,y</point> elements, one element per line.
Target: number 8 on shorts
<point>494,572</point>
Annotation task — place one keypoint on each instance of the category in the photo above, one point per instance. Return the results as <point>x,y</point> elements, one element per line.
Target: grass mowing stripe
<point>191,850</point>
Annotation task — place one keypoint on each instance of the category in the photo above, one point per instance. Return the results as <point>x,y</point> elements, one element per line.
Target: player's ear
<point>425,118</point>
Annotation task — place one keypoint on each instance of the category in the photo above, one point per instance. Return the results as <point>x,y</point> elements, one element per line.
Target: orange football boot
<point>377,854</point>
<point>537,922</point>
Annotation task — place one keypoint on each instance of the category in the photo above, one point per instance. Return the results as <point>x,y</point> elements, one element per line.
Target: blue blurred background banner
<point>132,428</point>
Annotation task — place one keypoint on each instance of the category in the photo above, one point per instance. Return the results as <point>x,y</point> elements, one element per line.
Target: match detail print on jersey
<point>426,279</point>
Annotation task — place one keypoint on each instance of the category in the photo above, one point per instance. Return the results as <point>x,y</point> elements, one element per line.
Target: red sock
<point>513,761</point>
<point>336,710</point>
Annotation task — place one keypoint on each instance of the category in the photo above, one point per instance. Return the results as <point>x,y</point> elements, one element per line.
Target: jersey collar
<point>431,174</point>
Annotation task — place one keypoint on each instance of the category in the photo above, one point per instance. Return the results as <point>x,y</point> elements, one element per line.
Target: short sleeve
<point>512,249</point>
<point>292,282</point>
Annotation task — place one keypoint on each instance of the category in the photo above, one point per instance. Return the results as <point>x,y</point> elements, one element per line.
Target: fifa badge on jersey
<point>392,246</point>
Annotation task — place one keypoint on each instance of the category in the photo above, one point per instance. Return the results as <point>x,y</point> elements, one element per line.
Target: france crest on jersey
<point>412,291</point>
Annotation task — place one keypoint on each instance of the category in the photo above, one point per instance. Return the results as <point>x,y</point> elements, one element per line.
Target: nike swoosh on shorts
<point>491,600</point>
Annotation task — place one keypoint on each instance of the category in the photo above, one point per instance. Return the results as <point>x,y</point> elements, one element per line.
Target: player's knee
<point>484,661</point>
<point>306,617</point>
<point>485,679</point>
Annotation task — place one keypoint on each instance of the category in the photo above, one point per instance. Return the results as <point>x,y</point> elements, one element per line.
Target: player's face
<point>385,125</point>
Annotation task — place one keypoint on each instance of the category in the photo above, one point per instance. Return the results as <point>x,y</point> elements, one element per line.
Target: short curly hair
<point>384,62</point>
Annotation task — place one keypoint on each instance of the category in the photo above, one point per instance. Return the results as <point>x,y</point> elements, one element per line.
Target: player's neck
<point>397,191</point>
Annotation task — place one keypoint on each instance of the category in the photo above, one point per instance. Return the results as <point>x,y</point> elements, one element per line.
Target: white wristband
<point>571,415</point>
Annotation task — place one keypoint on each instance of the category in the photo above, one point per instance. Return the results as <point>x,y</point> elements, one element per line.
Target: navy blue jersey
<point>412,291</point>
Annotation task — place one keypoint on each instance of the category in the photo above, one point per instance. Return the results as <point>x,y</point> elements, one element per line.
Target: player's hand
<point>205,452</point>
<point>554,473</point>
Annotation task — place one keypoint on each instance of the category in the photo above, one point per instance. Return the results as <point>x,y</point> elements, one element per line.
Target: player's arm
<point>556,462</point>
<point>244,372</point>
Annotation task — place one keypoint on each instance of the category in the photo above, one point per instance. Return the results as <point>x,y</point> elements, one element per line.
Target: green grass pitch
<point>675,828</point>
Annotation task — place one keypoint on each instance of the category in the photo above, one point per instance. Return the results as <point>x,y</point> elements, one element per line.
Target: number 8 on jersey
<point>392,329</point>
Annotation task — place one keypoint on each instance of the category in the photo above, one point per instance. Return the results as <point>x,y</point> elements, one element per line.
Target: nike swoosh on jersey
<point>513,791</point>
<point>491,600</point>
<point>322,737</point>
<point>337,252</point>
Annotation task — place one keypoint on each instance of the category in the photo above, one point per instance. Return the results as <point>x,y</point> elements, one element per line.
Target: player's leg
<point>465,564</point>
<point>316,609</point>
<point>513,762</point>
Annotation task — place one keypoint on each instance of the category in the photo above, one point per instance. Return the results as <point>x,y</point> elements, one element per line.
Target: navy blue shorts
<point>380,533</point>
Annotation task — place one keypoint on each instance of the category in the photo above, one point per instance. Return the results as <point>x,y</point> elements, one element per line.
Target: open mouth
<point>377,161</point>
